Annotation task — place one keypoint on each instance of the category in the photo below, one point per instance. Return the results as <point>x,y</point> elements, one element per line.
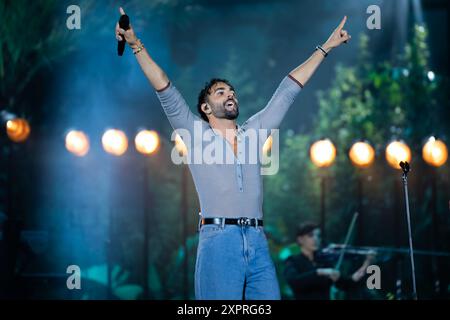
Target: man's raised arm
<point>174,105</point>
<point>303,72</point>
<point>152,71</point>
<point>272,115</point>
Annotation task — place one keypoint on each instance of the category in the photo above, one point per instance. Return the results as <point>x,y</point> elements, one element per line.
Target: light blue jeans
<point>233,263</point>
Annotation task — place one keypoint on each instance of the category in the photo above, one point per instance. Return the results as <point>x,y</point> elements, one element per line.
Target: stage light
<point>17,129</point>
<point>147,141</point>
<point>431,75</point>
<point>322,153</point>
<point>435,152</point>
<point>77,143</point>
<point>115,142</point>
<point>361,154</point>
<point>181,147</point>
<point>397,151</point>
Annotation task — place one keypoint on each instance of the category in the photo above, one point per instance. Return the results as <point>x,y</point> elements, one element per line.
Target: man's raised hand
<point>339,36</point>
<point>129,34</point>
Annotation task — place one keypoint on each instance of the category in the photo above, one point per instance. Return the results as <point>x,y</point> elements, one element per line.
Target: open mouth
<point>230,105</point>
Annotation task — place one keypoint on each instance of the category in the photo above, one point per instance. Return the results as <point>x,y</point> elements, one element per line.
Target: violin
<point>333,251</point>
<point>338,251</point>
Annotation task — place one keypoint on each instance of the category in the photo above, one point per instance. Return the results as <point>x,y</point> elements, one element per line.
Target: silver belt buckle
<point>244,221</point>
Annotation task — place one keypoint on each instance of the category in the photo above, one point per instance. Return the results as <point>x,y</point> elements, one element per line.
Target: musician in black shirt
<point>310,278</point>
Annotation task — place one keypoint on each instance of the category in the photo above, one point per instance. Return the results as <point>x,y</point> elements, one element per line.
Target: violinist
<point>308,276</point>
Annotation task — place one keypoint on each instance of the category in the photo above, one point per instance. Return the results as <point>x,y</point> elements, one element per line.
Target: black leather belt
<point>253,222</point>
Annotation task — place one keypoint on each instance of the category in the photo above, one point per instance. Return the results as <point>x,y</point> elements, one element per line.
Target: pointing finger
<point>341,25</point>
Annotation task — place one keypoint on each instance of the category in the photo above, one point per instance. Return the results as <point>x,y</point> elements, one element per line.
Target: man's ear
<point>206,108</point>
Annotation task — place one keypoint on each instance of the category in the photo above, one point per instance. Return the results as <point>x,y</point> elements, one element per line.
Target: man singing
<point>233,260</point>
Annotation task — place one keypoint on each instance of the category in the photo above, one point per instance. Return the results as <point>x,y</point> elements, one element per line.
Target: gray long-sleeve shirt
<point>232,188</point>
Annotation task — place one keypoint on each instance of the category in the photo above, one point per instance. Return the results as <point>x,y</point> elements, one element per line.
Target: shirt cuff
<point>161,90</point>
<point>295,80</point>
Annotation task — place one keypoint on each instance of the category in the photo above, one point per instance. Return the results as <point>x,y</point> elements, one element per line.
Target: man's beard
<point>231,114</point>
<point>224,113</point>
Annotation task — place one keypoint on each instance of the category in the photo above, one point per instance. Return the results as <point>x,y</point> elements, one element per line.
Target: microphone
<point>124,23</point>
<point>405,166</point>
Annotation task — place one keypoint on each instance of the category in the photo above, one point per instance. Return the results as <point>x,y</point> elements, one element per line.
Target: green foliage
<point>23,51</point>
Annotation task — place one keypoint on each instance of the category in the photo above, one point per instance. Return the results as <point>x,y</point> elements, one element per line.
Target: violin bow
<point>347,239</point>
<point>333,290</point>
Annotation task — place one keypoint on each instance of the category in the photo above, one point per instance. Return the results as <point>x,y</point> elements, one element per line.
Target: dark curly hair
<point>204,93</point>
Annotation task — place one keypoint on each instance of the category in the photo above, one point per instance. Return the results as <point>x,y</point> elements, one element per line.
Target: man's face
<point>310,241</point>
<point>223,101</point>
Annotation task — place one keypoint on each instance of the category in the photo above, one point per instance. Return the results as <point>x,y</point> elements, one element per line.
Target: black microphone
<point>124,23</point>
<point>405,166</point>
